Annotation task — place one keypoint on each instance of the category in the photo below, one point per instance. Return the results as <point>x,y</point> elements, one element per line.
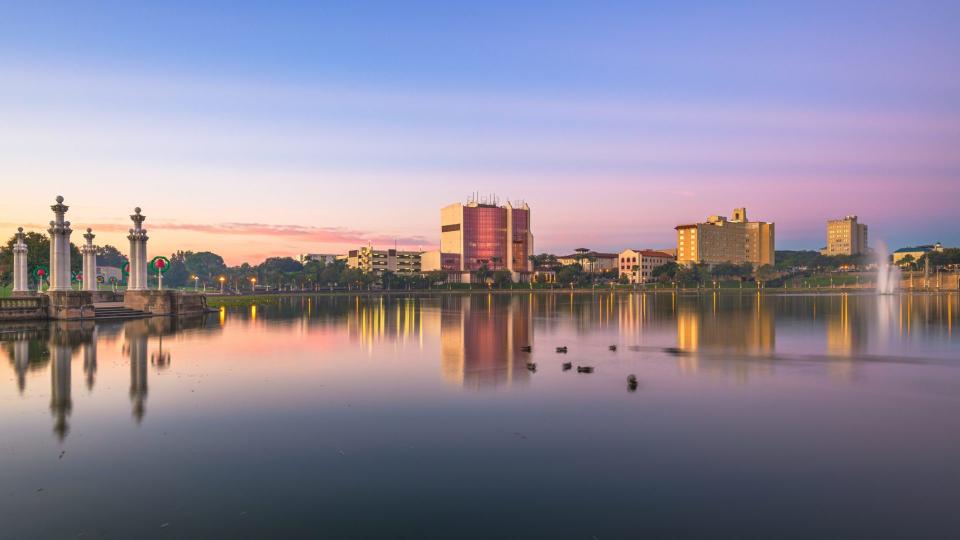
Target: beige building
<point>721,240</point>
<point>638,264</point>
<point>845,237</point>
<point>378,261</point>
<point>915,253</point>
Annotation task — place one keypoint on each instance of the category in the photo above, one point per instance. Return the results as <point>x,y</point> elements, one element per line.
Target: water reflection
<point>137,351</point>
<point>90,359</point>
<point>481,337</point>
<point>65,338</point>
<point>477,339</point>
<point>313,410</point>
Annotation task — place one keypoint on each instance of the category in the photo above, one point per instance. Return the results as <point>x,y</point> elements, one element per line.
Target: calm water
<point>781,416</point>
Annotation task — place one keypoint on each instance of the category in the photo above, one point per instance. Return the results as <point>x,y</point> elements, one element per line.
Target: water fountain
<point>888,276</point>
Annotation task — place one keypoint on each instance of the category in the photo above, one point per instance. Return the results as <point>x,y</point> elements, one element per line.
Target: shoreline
<point>216,300</point>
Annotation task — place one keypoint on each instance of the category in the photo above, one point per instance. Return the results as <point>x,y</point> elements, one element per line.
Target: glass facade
<point>520,240</point>
<point>484,237</point>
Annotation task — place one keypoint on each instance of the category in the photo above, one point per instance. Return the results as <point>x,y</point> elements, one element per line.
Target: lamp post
<point>253,284</point>
<point>196,283</point>
<point>221,279</point>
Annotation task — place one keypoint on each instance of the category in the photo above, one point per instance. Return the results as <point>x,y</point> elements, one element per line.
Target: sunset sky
<point>283,128</point>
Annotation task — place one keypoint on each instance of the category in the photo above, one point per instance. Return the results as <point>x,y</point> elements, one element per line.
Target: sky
<point>277,128</point>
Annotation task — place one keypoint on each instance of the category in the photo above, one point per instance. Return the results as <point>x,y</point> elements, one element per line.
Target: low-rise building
<point>324,258</point>
<point>638,264</point>
<point>109,274</point>
<point>591,261</point>
<point>914,253</point>
<point>378,261</point>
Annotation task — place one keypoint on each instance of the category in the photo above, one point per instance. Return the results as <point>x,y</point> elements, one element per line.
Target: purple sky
<point>282,128</point>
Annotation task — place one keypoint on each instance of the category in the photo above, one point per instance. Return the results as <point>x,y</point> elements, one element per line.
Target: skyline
<point>288,129</point>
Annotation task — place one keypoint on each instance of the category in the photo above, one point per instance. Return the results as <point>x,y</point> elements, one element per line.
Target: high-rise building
<point>485,233</point>
<point>721,240</point>
<point>378,261</point>
<point>846,237</point>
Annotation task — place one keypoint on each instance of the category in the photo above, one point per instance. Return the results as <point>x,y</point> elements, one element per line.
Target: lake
<point>775,416</point>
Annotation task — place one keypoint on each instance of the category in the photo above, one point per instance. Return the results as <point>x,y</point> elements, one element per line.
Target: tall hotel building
<point>846,237</point>
<point>722,240</point>
<point>479,233</point>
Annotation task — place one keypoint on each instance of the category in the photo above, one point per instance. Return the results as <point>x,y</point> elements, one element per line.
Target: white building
<point>638,264</point>
<point>324,258</point>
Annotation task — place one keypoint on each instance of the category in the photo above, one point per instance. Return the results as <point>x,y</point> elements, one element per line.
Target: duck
<point>632,383</point>
<point>532,366</point>
<point>567,366</point>
<point>613,348</point>
<point>562,349</point>
<point>673,350</point>
<point>584,369</point>
<point>526,348</point>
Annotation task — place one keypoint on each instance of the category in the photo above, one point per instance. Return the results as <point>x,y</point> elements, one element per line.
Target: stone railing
<point>23,308</point>
<point>21,303</point>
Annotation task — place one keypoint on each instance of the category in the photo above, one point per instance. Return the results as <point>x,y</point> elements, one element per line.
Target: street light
<point>221,279</point>
<point>196,283</point>
<point>253,284</point>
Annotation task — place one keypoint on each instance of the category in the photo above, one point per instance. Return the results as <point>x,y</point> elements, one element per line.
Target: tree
<point>387,278</point>
<point>766,273</point>
<point>666,272</point>
<point>570,274</point>
<point>436,277</point>
<point>502,278</point>
<point>205,265</point>
<point>177,274</point>
<point>949,256</point>
<point>482,274</point>
<point>108,255</point>
<point>544,261</point>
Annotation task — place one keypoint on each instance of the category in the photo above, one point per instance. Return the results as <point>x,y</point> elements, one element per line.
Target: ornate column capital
<point>137,219</point>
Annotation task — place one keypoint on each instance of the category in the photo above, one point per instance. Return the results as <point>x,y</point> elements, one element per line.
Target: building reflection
<point>846,326</point>
<point>718,324</point>
<point>385,319</point>
<point>481,337</point>
<point>713,323</point>
<point>641,314</point>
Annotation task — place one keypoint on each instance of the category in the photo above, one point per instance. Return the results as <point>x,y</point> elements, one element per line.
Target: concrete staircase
<point>115,310</point>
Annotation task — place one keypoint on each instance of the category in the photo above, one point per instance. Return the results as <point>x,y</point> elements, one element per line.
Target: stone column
<point>89,252</point>
<point>132,260</point>
<point>138,252</point>
<point>20,264</point>
<point>59,248</point>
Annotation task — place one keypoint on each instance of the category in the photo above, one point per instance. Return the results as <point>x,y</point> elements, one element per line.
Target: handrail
<point>20,303</point>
